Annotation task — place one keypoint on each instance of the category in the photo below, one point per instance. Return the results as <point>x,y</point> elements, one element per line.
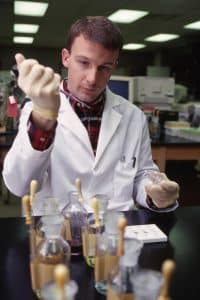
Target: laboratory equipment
<point>51,250</point>
<point>62,288</point>
<point>168,268</point>
<point>107,250</point>
<point>75,216</point>
<point>94,226</point>
<point>157,91</point>
<point>79,189</point>
<point>120,279</point>
<point>122,85</point>
<point>154,126</point>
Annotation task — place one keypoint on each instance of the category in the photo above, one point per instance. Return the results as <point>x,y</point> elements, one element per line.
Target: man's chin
<point>87,98</point>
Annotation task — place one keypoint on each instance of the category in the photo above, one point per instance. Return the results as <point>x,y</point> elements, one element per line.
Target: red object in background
<point>12,109</point>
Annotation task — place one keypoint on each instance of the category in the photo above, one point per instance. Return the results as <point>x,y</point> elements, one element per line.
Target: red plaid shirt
<point>90,115</point>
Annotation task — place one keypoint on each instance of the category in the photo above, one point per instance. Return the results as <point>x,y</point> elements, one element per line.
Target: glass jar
<point>75,216</point>
<point>120,279</point>
<point>106,251</point>
<point>50,251</point>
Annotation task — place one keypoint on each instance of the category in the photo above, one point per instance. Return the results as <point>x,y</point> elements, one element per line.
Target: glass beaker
<point>75,217</point>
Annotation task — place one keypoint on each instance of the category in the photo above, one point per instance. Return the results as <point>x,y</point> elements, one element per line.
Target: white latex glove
<point>40,84</point>
<point>162,191</point>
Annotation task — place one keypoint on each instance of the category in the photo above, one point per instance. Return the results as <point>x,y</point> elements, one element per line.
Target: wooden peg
<point>33,190</point>
<point>95,206</point>
<point>79,190</point>
<point>168,268</point>
<point>121,227</point>
<point>27,209</point>
<point>61,275</point>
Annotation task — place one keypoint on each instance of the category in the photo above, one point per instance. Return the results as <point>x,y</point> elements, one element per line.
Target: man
<point>83,130</point>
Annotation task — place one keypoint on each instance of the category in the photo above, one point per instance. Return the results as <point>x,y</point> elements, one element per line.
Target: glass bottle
<point>75,217</point>
<point>120,279</point>
<point>106,251</point>
<point>50,251</point>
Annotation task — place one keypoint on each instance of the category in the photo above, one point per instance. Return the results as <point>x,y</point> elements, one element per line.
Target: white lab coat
<point>119,168</point>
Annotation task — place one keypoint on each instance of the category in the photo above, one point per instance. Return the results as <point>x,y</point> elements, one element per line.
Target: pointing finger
<point>19,58</point>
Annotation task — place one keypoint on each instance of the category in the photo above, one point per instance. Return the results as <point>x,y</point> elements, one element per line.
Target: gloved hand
<point>162,191</point>
<point>41,85</point>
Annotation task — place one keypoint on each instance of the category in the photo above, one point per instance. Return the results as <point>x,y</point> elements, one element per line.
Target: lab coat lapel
<point>69,118</point>
<point>109,124</point>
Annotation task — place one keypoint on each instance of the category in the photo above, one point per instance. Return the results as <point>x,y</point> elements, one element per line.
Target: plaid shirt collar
<point>94,107</point>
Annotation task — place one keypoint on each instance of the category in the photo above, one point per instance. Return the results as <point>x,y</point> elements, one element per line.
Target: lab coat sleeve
<point>23,163</point>
<point>145,166</point>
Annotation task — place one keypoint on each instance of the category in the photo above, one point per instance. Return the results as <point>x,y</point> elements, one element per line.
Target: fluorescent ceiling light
<point>194,25</point>
<point>25,28</point>
<point>29,8</point>
<point>162,37</point>
<point>127,16</point>
<point>133,46</point>
<point>22,40</point>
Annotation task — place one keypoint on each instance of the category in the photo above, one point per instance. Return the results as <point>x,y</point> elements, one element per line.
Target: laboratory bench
<point>183,246</point>
<point>174,148</point>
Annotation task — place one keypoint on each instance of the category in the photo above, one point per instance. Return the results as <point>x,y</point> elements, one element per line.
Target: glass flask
<point>147,284</point>
<point>120,280</point>
<point>50,251</point>
<point>75,216</point>
<point>50,291</point>
<point>106,251</point>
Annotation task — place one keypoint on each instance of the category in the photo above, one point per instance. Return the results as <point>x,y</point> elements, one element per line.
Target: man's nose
<point>92,75</point>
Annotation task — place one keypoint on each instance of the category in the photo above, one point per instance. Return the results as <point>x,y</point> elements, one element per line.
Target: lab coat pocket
<point>123,180</point>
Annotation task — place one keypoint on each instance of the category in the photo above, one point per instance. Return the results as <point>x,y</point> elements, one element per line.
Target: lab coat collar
<point>110,121</point>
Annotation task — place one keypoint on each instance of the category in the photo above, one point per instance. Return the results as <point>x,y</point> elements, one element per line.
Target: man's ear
<point>65,57</point>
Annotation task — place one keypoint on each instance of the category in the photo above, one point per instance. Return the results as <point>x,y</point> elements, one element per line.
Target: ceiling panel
<point>165,16</point>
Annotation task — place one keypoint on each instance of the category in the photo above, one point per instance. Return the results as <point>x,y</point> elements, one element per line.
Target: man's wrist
<point>41,122</point>
<point>152,205</point>
<point>45,113</point>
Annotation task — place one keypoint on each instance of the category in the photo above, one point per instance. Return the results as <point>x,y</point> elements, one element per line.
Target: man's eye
<point>105,68</point>
<point>83,62</point>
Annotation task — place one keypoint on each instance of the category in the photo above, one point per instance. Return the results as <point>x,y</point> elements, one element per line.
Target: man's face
<point>90,66</point>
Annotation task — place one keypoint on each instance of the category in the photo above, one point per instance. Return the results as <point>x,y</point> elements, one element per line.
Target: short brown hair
<point>97,29</point>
